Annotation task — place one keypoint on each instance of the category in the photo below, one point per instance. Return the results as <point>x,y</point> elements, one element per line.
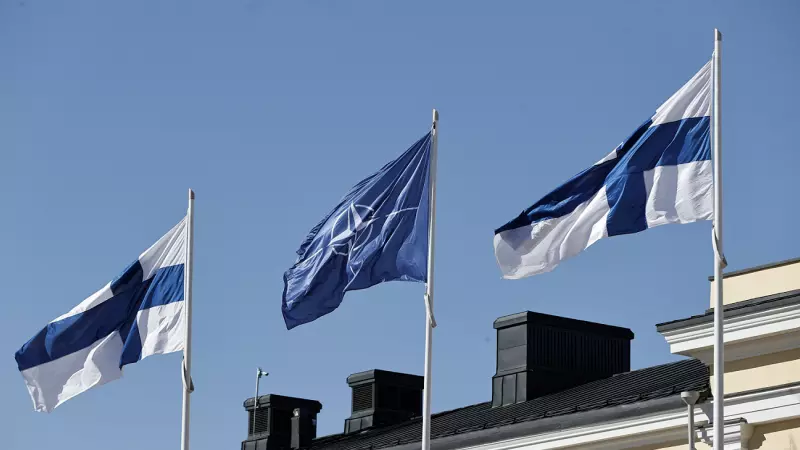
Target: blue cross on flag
<point>138,314</point>
<point>661,174</point>
<point>378,232</point>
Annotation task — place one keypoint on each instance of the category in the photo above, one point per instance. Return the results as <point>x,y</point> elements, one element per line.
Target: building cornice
<point>757,268</point>
<point>742,308</point>
<point>747,335</point>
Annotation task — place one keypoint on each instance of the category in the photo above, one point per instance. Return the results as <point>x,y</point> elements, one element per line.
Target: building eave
<point>630,426</point>
<point>765,325</point>
<point>757,268</point>
<point>735,309</point>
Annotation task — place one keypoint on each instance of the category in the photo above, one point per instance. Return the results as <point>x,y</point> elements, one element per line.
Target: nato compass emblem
<point>352,229</point>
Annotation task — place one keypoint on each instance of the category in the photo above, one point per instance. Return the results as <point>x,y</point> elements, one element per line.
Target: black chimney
<point>273,425</point>
<point>539,354</point>
<point>383,398</point>
<point>304,428</point>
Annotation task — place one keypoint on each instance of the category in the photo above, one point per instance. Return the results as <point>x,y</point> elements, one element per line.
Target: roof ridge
<point>459,409</point>
<point>657,366</point>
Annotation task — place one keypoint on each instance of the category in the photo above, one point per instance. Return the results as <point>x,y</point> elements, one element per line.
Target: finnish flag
<point>661,174</point>
<point>138,314</point>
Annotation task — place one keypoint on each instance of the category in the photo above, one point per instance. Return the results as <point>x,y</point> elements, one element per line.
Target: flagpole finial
<point>717,34</point>
<point>435,115</point>
<point>191,194</point>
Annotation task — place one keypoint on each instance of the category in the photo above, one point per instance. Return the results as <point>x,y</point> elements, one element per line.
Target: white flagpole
<point>719,259</point>
<point>430,322</point>
<point>186,368</point>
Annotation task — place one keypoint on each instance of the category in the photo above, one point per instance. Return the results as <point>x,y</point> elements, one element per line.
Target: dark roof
<point>757,268</point>
<point>736,309</point>
<point>625,389</point>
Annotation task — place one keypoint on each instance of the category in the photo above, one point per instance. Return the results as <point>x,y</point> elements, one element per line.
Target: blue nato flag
<point>377,232</point>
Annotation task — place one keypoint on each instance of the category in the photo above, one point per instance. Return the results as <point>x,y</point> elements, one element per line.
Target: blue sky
<point>110,110</point>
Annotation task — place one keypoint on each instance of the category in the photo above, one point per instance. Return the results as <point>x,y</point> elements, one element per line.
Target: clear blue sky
<point>110,110</point>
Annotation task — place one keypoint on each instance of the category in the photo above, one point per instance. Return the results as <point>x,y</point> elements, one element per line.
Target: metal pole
<point>716,141</point>
<point>690,398</point>
<point>429,320</point>
<point>187,346</point>
<point>691,427</point>
<point>260,373</point>
<point>255,401</point>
